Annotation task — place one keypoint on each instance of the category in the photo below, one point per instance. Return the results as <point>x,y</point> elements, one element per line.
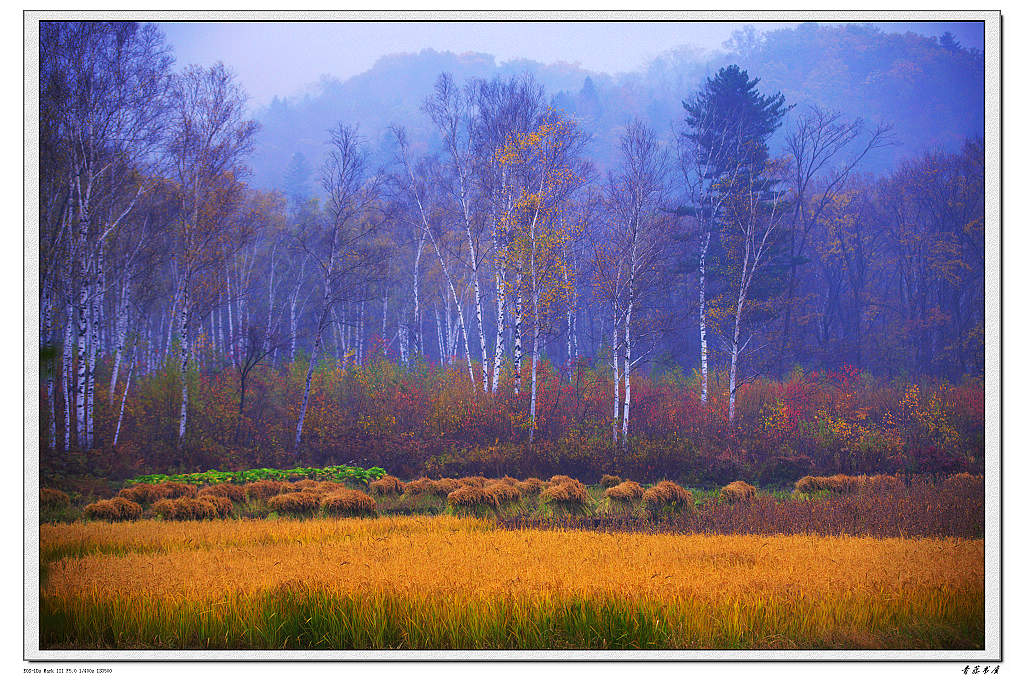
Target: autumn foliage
<point>427,420</point>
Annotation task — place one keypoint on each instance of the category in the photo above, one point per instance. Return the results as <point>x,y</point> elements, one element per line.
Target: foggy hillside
<point>931,90</point>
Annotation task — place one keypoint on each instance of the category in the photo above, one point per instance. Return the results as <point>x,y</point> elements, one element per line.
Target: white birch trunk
<point>47,337</point>
<point>67,373</point>
<point>615,377</point>
<point>359,335</point>
<point>83,369</point>
<point>170,319</point>
<point>465,345</point>
<point>703,320</point>
<point>499,327</point>
<point>480,330</point>
<point>231,320</point>
<point>415,328</point>
<point>94,325</point>
<point>122,332</point>
<point>442,347</point>
<point>124,397</point>
<point>270,300</point>
<point>183,415</point>
<point>292,323</point>
<point>626,367</point>
<point>533,378</point>
<point>403,344</point>
<point>517,331</point>
<point>305,392</point>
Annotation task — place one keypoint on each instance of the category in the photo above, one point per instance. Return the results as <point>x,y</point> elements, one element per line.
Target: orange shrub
<point>667,496</point>
<point>225,506</point>
<point>143,493</point>
<point>189,508</point>
<point>327,487</point>
<point>349,502</point>
<point>264,489</point>
<point>881,483</point>
<point>608,481</point>
<point>53,498</point>
<point>114,509</point>
<point>625,492</point>
<point>504,492</point>
<point>420,486</point>
<point>387,486</point>
<point>446,486</point>
<point>166,509</point>
<point>235,493</point>
<point>569,496</point>
<point>965,483</point>
<point>837,484</point>
<point>294,503</point>
<point>173,490</point>
<point>469,497</point>
<point>738,491</point>
<point>531,486</point>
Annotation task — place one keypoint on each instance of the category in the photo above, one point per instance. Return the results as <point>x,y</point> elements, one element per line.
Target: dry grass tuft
<point>881,483</point>
<point>474,481</point>
<point>53,498</point>
<point>446,486</point>
<point>531,486</point>
<point>420,486</point>
<point>848,484</point>
<point>294,503</point>
<point>609,481</point>
<point>175,490</point>
<point>625,492</point>
<point>739,491</point>
<point>964,482</point>
<point>144,493</point>
<point>114,509</point>
<point>559,479</point>
<point>472,498</point>
<point>389,485</point>
<point>568,491</point>
<point>264,489</point>
<point>349,503</point>
<point>836,484</point>
<point>205,507</point>
<point>668,497</point>
<point>326,488</point>
<point>567,497</point>
<point>504,492</point>
<point>235,493</point>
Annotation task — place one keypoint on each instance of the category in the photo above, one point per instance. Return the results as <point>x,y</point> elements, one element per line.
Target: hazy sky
<point>283,58</point>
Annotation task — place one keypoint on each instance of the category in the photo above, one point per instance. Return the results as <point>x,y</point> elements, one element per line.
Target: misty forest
<point>766,263</point>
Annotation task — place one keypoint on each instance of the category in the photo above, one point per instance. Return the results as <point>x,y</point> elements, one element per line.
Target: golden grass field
<point>445,582</point>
